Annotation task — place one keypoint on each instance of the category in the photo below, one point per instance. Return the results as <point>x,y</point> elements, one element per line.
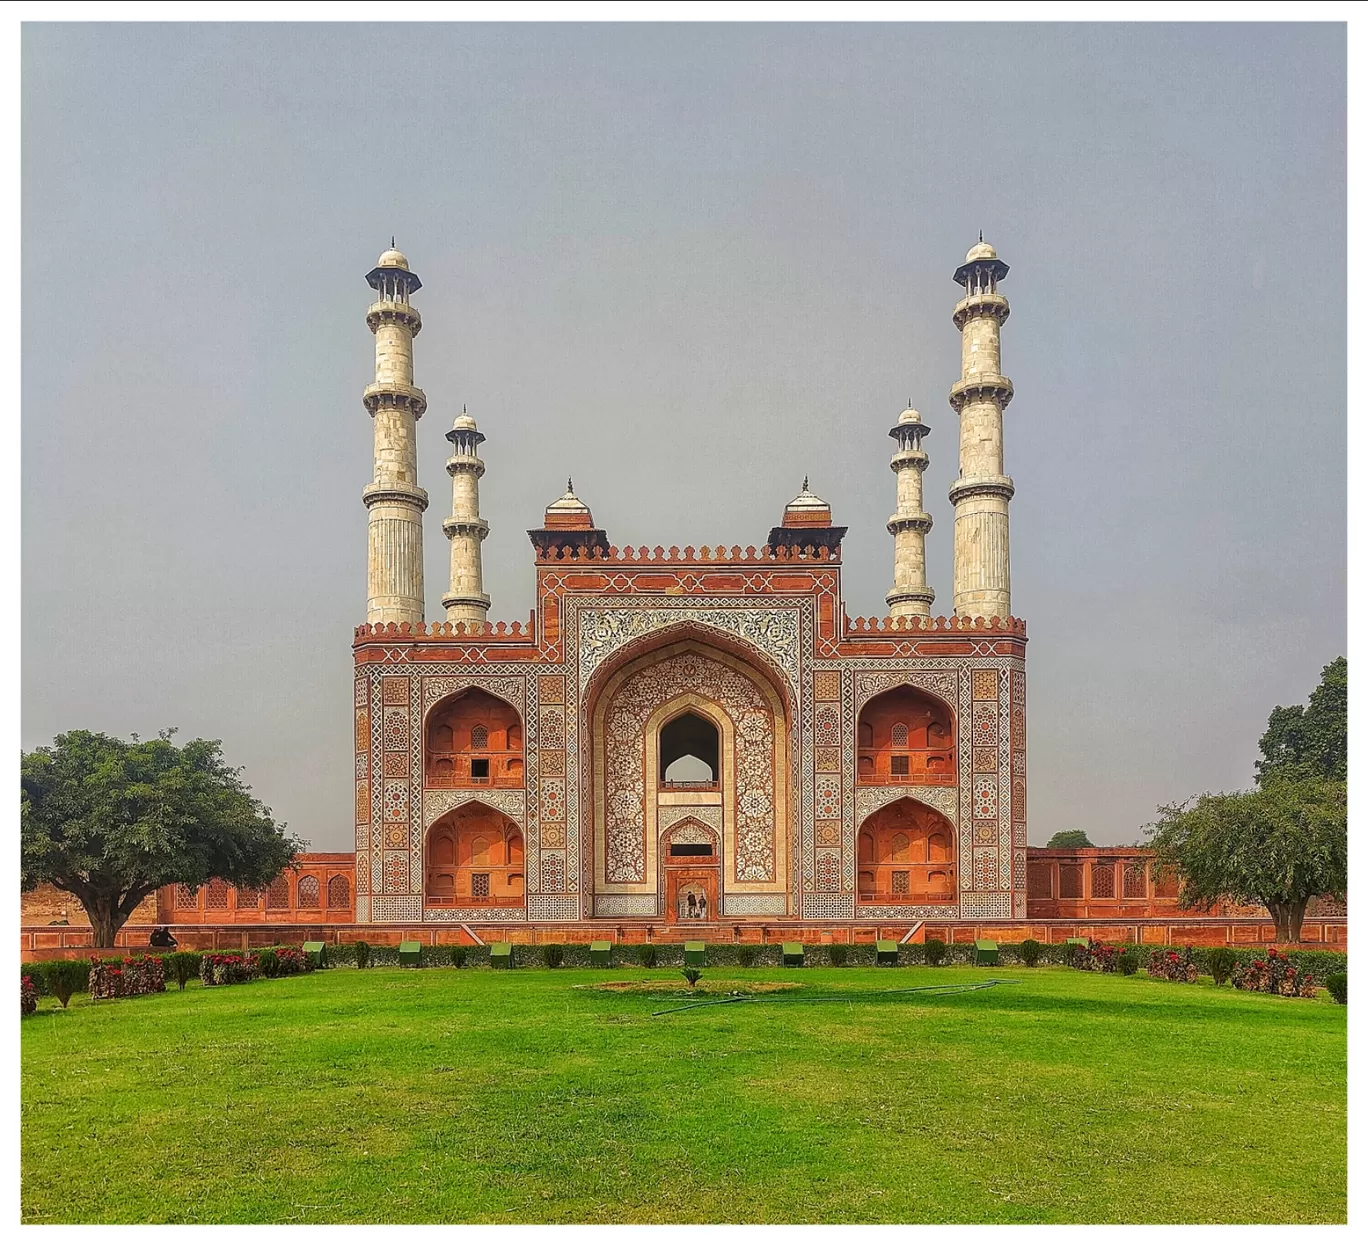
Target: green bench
<point>600,954</point>
<point>985,951</point>
<point>411,953</point>
<point>1075,942</point>
<point>885,951</point>
<point>694,953</point>
<point>500,955</point>
<point>316,953</point>
<point>793,955</point>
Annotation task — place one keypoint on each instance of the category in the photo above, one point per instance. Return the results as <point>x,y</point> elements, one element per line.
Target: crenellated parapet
<point>956,623</point>
<point>688,555</point>
<point>521,632</point>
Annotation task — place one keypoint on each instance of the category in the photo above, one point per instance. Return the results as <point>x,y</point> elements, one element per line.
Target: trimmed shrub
<point>458,955</point>
<point>552,954</point>
<point>1097,957</point>
<point>647,955</point>
<point>125,979</point>
<point>363,956</point>
<point>268,963</point>
<point>1338,985</point>
<point>1274,973</point>
<point>292,960</point>
<point>228,968</point>
<point>64,978</point>
<point>180,966</point>
<point>836,954</point>
<point>1029,952</point>
<point>935,952</point>
<point>28,996</point>
<point>1129,963</point>
<point>1220,964</point>
<point>745,955</point>
<point>1169,965</point>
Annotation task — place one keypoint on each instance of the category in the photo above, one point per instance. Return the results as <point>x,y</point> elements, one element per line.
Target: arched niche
<point>906,854</point>
<point>473,739</point>
<point>474,855</point>
<point>906,738</point>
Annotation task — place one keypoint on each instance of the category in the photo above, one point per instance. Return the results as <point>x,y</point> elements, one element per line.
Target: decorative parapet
<point>689,554</point>
<point>887,626</point>
<point>521,632</point>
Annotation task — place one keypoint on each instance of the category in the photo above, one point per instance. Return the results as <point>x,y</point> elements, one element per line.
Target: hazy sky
<point>687,264</point>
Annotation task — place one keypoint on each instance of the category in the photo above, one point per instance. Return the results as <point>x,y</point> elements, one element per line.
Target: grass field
<point>443,1095</point>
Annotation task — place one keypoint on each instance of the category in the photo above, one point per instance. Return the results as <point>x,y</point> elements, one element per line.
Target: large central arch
<point>628,705</point>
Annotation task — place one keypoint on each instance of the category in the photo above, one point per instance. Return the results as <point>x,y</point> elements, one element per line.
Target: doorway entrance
<point>691,864</point>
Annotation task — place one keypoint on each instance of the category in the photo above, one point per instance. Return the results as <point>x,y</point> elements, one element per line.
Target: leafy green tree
<point>110,821</point>
<point>1070,838</point>
<point>1311,739</point>
<point>1279,845</point>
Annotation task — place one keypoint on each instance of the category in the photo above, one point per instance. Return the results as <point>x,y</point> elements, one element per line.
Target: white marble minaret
<point>393,498</point>
<point>983,580</point>
<point>909,594</point>
<point>466,601</point>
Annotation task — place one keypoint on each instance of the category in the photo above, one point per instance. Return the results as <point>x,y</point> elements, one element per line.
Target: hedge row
<point>1319,964</point>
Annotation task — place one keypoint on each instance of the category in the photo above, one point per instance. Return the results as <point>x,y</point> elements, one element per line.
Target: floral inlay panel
<point>625,750</point>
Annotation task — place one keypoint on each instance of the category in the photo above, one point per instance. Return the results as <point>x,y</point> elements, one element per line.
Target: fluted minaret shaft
<point>466,601</point>
<point>910,594</point>
<point>983,581</point>
<point>393,499</point>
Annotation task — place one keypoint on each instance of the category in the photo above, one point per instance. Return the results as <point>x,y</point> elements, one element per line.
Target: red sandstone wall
<point>47,905</point>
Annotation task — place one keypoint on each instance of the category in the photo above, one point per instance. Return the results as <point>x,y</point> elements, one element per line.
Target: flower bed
<point>229,968</point>
<point>28,996</point>
<point>116,979</point>
<point>1097,957</point>
<point>1170,965</point>
<point>1274,973</point>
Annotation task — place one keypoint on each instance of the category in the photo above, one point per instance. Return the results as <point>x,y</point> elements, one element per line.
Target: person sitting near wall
<point>161,937</point>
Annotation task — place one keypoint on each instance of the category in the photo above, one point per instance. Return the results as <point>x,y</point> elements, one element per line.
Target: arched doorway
<point>906,738</point>
<point>474,857</point>
<point>690,866</point>
<point>906,855</point>
<point>689,751</point>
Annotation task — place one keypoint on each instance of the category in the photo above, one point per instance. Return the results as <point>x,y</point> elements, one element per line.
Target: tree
<point>1070,838</point>
<point>1279,846</point>
<point>1311,739</point>
<point>110,821</point>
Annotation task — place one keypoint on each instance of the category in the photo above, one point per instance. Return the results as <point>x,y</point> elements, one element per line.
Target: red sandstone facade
<point>692,742</point>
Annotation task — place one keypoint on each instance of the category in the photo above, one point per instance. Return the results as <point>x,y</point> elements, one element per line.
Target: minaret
<point>983,583</point>
<point>909,594</point>
<point>466,602</point>
<point>393,498</point>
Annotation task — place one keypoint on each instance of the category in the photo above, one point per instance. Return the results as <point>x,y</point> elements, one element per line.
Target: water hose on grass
<point>965,987</point>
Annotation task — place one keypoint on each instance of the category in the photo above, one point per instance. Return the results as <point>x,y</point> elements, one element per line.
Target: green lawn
<point>445,1095</point>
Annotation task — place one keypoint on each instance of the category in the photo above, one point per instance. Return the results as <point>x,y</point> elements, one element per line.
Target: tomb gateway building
<point>695,735</point>
<point>689,743</point>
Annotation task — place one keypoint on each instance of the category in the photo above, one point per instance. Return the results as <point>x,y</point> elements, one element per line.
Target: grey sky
<point>687,264</point>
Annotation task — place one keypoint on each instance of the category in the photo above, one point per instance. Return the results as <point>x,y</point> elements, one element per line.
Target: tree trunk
<point>106,919</point>
<point>1287,919</point>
